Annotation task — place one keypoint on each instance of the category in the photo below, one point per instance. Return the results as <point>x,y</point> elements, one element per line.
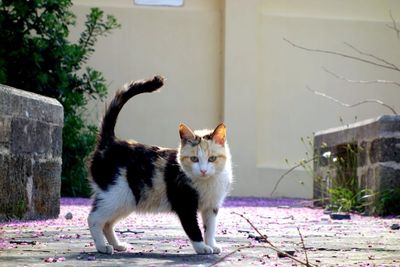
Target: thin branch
<point>394,25</point>
<point>264,238</point>
<point>342,55</point>
<point>372,56</point>
<point>376,101</point>
<point>304,246</point>
<point>230,254</point>
<point>359,81</point>
<point>23,242</point>
<point>255,228</point>
<point>289,171</point>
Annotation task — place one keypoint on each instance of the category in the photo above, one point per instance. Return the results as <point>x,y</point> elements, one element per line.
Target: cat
<point>127,176</point>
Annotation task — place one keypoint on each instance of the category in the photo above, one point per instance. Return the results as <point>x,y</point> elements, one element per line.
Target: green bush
<point>36,55</point>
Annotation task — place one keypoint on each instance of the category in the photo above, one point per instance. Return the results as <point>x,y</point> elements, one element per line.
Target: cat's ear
<point>186,133</point>
<point>219,134</point>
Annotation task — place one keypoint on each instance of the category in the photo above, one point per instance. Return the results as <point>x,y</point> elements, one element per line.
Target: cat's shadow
<point>149,258</point>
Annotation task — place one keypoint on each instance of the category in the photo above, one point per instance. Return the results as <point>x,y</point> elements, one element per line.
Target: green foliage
<point>36,55</point>
<point>344,192</point>
<point>343,199</point>
<point>346,195</point>
<point>388,202</point>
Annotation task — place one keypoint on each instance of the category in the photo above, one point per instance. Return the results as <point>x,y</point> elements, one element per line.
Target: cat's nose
<point>203,172</point>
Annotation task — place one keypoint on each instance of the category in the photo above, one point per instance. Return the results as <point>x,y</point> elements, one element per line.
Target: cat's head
<point>203,154</point>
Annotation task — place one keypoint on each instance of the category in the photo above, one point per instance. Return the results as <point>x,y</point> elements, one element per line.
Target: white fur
<point>202,248</point>
<point>212,192</point>
<point>210,224</point>
<point>114,205</point>
<point>117,203</point>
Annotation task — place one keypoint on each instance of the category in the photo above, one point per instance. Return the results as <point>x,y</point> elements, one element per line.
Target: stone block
<point>388,175</point>
<point>5,129</point>
<point>385,149</point>
<point>46,179</point>
<point>22,137</point>
<point>56,141</point>
<point>14,195</point>
<point>30,155</point>
<point>42,137</point>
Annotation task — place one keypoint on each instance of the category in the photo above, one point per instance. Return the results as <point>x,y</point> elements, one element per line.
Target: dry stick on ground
<point>360,81</point>
<point>289,171</point>
<point>386,65</point>
<point>23,242</point>
<point>376,101</point>
<point>230,254</point>
<point>304,245</point>
<point>263,238</point>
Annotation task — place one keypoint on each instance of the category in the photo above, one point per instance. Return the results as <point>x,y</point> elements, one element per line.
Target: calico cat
<point>128,176</point>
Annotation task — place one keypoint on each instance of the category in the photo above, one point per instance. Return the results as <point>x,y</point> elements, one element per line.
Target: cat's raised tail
<point>122,96</point>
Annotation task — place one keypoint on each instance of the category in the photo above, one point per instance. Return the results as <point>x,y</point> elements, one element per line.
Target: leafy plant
<point>343,199</point>
<point>36,55</point>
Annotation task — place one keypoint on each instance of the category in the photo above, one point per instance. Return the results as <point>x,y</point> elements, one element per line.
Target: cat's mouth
<point>203,176</point>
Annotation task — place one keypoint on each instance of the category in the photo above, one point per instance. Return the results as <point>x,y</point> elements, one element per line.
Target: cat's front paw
<point>202,248</point>
<point>121,247</point>
<point>107,249</point>
<point>214,246</point>
<point>216,249</point>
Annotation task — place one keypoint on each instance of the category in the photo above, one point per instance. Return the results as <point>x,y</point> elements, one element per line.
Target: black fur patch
<point>208,136</point>
<point>195,141</point>
<point>184,199</point>
<point>95,203</point>
<point>141,169</point>
<point>137,159</point>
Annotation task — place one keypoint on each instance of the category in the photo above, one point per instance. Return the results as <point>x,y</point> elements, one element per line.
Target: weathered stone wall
<point>30,155</point>
<point>377,146</point>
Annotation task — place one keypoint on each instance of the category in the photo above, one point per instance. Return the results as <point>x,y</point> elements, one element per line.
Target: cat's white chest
<point>213,191</point>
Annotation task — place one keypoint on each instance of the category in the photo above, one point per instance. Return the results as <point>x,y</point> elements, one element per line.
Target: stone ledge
<point>30,155</point>
<point>23,104</point>
<point>385,126</point>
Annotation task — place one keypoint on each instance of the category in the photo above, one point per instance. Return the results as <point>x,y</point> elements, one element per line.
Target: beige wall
<point>226,60</point>
<point>184,45</point>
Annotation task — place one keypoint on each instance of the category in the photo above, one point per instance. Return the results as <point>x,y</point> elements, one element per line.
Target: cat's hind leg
<point>111,237</point>
<point>97,221</point>
<point>102,219</point>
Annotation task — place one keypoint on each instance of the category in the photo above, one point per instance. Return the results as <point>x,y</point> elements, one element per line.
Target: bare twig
<point>376,101</point>
<point>23,242</point>
<point>373,56</point>
<point>386,66</point>
<point>289,171</point>
<point>394,25</point>
<point>359,81</point>
<point>304,246</point>
<point>230,254</point>
<point>264,238</point>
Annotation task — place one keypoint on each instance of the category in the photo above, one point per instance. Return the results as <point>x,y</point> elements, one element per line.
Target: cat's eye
<point>194,159</point>
<point>212,159</point>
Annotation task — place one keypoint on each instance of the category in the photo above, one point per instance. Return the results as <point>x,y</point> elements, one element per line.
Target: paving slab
<point>158,240</point>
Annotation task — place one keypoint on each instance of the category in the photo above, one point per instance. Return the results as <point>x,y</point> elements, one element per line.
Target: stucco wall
<point>226,60</point>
